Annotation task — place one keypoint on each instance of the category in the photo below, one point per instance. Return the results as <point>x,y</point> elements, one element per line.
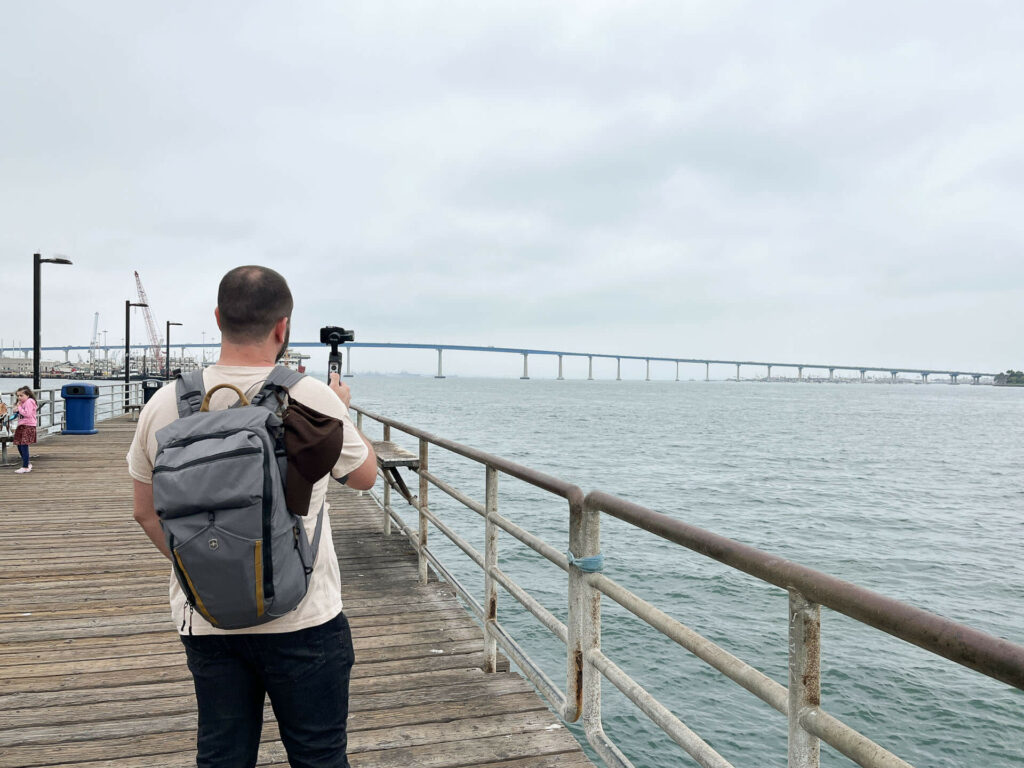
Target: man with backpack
<point>231,467</point>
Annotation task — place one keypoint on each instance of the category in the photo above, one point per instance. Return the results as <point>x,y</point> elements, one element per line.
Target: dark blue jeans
<point>306,675</point>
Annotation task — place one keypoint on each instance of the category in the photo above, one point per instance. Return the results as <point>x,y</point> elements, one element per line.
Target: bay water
<point>916,492</point>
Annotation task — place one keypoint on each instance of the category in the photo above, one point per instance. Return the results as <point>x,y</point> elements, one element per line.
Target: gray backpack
<point>241,557</point>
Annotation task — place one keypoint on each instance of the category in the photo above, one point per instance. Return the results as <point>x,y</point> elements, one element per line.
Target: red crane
<point>154,341</point>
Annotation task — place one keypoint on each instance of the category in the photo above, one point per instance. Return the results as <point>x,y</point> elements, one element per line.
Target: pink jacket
<point>27,413</point>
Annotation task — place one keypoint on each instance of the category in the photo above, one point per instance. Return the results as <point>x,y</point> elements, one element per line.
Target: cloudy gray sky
<point>820,181</point>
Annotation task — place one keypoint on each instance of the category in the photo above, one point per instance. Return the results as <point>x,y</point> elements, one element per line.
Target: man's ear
<point>281,330</point>
<point>216,316</point>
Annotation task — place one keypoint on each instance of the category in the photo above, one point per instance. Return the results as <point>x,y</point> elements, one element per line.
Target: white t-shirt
<point>323,598</point>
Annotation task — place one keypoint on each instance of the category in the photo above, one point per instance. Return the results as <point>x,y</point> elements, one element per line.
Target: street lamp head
<point>134,304</point>
<point>58,260</point>
<point>170,323</point>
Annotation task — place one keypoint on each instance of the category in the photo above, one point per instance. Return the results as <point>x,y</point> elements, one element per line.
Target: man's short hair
<point>251,299</point>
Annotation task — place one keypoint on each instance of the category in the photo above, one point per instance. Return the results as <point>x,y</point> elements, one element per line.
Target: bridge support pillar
<point>863,375</point>
<point>976,379</point>
<point>799,371</point>
<point>526,370</point>
<point>831,373</point>
<point>953,378</point>
<point>769,373</point>
<point>893,376</point>
<point>67,355</point>
<point>648,377</point>
<point>590,367</point>
<point>560,377</point>
<point>677,370</point>
<point>707,371</point>
<point>348,365</point>
<point>924,378</point>
<point>618,369</point>
<point>737,371</point>
<point>440,371</point>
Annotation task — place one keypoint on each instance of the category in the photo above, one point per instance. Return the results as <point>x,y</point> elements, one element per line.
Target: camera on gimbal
<point>333,335</point>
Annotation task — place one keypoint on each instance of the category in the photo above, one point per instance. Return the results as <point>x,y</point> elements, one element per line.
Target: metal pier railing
<point>587,666</point>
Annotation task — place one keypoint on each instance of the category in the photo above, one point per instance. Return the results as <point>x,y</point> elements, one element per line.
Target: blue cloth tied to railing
<point>592,564</point>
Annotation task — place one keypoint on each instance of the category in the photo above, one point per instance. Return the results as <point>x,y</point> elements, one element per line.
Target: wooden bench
<point>134,409</point>
<point>390,457</point>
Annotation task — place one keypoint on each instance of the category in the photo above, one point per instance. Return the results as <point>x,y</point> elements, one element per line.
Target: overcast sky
<point>818,181</point>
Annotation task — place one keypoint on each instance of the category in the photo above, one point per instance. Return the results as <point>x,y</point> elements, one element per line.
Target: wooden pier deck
<point>93,673</point>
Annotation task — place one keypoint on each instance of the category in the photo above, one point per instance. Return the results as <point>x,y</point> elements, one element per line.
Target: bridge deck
<point>94,675</point>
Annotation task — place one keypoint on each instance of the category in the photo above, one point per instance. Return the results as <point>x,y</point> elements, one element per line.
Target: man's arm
<point>145,515</point>
<point>364,476</point>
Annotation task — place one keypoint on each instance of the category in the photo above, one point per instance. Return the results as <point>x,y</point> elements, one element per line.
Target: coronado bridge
<point>766,365</point>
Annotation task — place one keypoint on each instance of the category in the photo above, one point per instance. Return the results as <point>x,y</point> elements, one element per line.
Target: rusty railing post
<point>804,677</point>
<point>490,563</point>
<point>421,547</point>
<point>583,682</point>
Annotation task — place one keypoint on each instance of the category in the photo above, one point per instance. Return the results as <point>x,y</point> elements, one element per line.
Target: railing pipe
<point>548,619</point>
<point>452,536</point>
<point>694,745</point>
<point>992,656</point>
<point>454,492</point>
<point>737,670</point>
<point>529,475</point>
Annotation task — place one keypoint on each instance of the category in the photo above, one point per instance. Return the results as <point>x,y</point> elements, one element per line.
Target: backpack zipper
<point>209,459</point>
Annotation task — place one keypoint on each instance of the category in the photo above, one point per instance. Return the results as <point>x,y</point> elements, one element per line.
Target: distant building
<point>16,365</point>
<point>19,366</point>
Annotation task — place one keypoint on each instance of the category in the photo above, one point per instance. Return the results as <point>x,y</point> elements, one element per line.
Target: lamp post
<point>167,336</point>
<point>128,304</point>
<point>36,332</point>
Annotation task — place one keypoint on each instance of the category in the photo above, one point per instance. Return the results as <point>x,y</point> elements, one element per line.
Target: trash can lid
<point>79,389</point>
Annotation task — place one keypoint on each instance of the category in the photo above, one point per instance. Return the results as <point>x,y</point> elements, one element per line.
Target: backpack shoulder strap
<point>190,391</point>
<point>280,378</point>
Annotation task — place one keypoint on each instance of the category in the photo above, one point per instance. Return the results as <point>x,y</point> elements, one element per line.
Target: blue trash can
<point>79,408</point>
<point>149,388</point>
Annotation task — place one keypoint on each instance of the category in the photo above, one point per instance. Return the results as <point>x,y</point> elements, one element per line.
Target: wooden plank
<point>391,454</point>
<point>94,674</point>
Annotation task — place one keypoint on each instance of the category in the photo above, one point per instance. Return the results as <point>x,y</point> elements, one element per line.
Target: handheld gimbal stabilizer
<point>334,336</point>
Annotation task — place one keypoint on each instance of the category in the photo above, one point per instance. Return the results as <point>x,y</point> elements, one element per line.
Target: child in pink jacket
<point>25,434</point>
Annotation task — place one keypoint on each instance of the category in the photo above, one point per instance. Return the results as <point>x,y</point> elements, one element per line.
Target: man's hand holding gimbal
<point>341,389</point>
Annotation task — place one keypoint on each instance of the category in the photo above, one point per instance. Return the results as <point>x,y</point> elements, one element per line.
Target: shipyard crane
<point>154,340</point>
